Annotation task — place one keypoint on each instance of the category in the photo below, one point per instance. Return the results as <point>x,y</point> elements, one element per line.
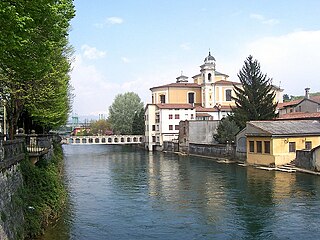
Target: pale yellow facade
<point>280,153</point>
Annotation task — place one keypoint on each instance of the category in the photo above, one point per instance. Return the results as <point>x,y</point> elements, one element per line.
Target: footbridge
<point>109,139</point>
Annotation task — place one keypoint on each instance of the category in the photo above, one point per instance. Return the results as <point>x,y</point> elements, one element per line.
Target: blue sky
<point>132,45</point>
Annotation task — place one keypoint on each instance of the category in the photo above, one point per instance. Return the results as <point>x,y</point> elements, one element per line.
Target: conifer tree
<point>255,99</point>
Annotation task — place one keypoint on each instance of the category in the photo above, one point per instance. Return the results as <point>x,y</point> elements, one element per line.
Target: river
<point>120,192</point>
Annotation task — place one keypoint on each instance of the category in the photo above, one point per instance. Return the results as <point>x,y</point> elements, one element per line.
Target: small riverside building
<point>274,143</point>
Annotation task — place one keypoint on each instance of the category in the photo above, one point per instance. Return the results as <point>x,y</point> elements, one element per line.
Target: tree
<point>35,59</point>
<point>138,125</point>
<point>122,111</point>
<point>255,99</point>
<point>100,127</point>
<point>226,131</point>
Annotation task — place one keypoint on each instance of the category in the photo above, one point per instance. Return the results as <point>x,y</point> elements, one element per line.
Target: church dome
<point>209,58</point>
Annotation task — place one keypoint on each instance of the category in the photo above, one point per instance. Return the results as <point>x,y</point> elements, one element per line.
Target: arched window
<point>209,76</point>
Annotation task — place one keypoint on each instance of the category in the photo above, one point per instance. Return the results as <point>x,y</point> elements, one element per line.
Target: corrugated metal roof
<point>288,127</point>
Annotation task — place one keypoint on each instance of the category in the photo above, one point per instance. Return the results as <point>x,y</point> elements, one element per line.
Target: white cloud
<point>92,52</point>
<point>185,46</point>
<point>264,20</point>
<point>292,59</point>
<point>125,60</point>
<point>114,20</point>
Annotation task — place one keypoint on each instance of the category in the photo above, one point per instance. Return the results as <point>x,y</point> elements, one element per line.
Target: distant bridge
<point>110,139</point>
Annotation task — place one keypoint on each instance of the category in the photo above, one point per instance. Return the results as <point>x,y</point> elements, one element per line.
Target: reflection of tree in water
<point>254,202</point>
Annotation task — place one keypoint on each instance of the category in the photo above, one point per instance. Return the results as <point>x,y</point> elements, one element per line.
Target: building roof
<point>283,128</point>
<point>215,73</point>
<point>224,82</point>
<point>296,102</point>
<point>209,58</point>
<point>179,85</point>
<point>300,115</point>
<point>203,115</point>
<point>213,109</point>
<point>174,106</point>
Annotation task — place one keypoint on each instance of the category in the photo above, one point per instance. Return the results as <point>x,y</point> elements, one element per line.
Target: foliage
<point>122,111</point>
<point>100,127</point>
<point>44,193</point>
<point>138,125</point>
<point>286,97</point>
<point>254,100</point>
<point>226,131</point>
<point>35,60</point>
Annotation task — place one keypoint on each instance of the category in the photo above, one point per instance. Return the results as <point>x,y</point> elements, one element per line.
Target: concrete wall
<point>202,131</point>
<point>308,159</point>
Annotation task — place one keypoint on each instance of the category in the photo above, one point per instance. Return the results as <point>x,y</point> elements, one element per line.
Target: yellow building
<point>208,97</point>
<point>275,142</point>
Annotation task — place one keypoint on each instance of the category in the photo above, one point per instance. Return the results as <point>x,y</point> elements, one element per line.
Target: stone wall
<point>11,213</point>
<point>216,150</point>
<point>170,146</point>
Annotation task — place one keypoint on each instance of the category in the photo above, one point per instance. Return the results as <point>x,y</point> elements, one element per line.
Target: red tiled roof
<point>202,109</point>
<point>224,82</point>
<point>203,115</point>
<point>174,106</point>
<point>179,85</point>
<point>295,102</point>
<point>300,115</point>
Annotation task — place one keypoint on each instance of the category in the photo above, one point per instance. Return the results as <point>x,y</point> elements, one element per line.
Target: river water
<point>120,192</point>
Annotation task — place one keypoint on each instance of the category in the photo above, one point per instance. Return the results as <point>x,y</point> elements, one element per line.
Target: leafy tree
<point>138,126</point>
<point>286,98</point>
<point>226,131</point>
<point>100,126</point>
<point>35,59</point>
<point>254,100</point>
<point>122,110</point>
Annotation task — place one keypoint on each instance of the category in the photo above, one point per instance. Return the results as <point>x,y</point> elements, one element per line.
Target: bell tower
<point>208,78</point>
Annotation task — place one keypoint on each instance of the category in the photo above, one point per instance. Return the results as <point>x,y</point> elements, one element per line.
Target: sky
<point>132,45</point>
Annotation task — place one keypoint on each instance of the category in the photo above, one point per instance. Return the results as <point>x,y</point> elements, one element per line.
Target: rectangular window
<point>292,147</point>
<point>308,145</point>
<point>251,146</point>
<point>228,95</point>
<point>176,116</point>
<point>170,116</point>
<point>259,147</point>
<point>266,146</point>
<point>192,117</point>
<point>153,138</point>
<point>153,127</point>
<point>170,127</point>
<point>176,127</point>
<point>162,98</point>
<point>191,98</point>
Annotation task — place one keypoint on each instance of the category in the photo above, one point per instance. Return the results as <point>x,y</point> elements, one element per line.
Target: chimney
<point>307,95</point>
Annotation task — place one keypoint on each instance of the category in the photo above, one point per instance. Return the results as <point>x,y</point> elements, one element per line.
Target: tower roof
<point>209,58</point>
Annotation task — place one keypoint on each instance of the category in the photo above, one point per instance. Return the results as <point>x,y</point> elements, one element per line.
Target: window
<point>170,127</point>
<point>209,77</point>
<point>153,127</point>
<point>191,98</point>
<point>192,117</point>
<point>176,116</point>
<point>259,147</point>
<point>228,95</point>
<point>170,116</point>
<point>251,146</point>
<point>308,145</point>
<point>266,146</point>
<point>153,138</point>
<point>176,127</point>
<point>292,146</point>
<point>162,99</point>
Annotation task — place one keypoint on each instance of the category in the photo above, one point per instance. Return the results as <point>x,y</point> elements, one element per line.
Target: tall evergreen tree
<point>138,126</point>
<point>255,99</point>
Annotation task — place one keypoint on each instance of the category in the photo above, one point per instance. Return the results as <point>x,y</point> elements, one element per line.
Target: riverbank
<point>43,194</point>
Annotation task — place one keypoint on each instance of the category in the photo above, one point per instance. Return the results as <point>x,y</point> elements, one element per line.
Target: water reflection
<point>125,193</point>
